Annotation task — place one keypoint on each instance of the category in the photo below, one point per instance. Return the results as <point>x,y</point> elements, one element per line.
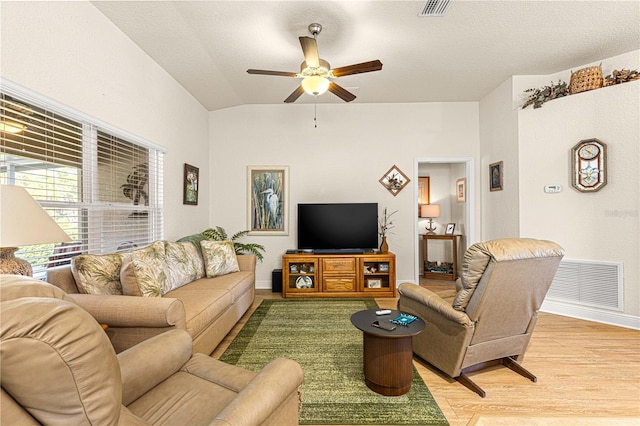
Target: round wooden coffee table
<point>388,355</point>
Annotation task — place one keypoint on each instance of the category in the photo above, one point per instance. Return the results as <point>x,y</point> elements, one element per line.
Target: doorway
<point>449,170</point>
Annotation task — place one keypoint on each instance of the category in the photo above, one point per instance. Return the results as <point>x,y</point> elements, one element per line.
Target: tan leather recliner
<point>59,368</point>
<point>492,316</point>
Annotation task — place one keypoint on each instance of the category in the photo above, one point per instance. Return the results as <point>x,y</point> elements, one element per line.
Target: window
<point>102,186</point>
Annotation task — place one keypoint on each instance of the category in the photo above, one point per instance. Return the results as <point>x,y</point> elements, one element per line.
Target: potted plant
<point>546,93</point>
<point>219,234</point>
<point>385,224</point>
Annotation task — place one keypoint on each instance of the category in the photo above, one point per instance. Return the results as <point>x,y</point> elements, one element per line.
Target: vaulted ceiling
<point>207,46</point>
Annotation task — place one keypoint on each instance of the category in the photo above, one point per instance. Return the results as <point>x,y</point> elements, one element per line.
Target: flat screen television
<point>338,226</point>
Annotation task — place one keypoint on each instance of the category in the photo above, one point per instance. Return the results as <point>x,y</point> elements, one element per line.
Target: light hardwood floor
<point>584,369</point>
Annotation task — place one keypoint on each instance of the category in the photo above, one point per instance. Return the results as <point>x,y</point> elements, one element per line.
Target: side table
<point>387,355</point>
<point>454,247</point>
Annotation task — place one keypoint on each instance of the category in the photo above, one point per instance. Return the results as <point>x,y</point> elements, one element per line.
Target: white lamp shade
<point>430,210</point>
<point>23,222</point>
<point>315,85</point>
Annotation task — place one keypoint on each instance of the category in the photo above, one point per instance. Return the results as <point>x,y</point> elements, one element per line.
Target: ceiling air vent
<point>435,7</point>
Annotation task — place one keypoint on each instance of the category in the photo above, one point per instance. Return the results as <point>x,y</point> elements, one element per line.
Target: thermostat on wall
<point>550,189</point>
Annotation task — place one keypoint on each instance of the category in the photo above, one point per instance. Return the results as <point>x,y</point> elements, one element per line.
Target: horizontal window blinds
<point>104,190</point>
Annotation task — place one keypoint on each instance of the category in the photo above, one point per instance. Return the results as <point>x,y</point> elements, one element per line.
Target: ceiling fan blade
<point>295,95</point>
<point>310,50</point>
<point>341,92</point>
<point>357,68</point>
<point>266,72</point>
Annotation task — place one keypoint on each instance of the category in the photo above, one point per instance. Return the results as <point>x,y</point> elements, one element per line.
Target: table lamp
<point>22,223</point>
<point>430,211</point>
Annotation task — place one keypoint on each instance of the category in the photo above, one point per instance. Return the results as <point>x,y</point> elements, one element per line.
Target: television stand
<point>339,275</point>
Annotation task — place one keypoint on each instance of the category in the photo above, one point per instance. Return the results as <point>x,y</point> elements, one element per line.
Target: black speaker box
<point>276,281</point>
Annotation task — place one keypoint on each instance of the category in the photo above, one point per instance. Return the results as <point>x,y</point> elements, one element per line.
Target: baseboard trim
<point>591,314</point>
<point>263,285</point>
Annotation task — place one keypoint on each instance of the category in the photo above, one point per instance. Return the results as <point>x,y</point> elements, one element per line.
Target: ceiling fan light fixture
<point>315,85</point>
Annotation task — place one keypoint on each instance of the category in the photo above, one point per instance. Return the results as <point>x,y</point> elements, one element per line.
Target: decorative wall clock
<point>589,162</point>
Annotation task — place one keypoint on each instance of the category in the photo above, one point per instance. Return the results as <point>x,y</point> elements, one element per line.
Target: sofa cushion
<point>236,283</point>
<point>201,306</point>
<point>199,403</point>
<point>97,274</point>
<point>183,263</point>
<point>219,257</point>
<point>143,272</point>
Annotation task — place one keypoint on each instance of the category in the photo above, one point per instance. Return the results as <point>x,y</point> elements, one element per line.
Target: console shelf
<point>339,275</point>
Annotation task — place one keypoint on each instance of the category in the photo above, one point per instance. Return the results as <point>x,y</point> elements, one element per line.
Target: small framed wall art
<point>461,190</point>
<point>495,176</point>
<point>191,182</point>
<point>394,180</point>
<point>268,200</point>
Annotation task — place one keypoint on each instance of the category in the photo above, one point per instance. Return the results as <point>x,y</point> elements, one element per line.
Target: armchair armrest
<point>264,395</point>
<point>133,311</point>
<point>431,301</point>
<point>169,351</point>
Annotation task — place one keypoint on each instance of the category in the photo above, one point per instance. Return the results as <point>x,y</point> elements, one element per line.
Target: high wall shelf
<point>444,271</point>
<point>339,275</point>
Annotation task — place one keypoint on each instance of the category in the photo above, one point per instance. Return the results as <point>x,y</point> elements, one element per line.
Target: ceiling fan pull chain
<point>315,113</point>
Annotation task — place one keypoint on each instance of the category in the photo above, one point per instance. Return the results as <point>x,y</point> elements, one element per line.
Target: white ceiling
<point>207,46</point>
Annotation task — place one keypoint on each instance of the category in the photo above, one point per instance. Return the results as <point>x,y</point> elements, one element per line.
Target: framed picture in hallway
<point>461,190</point>
<point>450,228</point>
<point>268,200</point>
<point>495,176</point>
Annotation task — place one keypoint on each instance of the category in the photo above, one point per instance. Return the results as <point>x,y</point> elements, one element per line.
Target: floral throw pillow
<point>97,274</point>
<point>219,258</point>
<point>144,272</point>
<point>183,263</point>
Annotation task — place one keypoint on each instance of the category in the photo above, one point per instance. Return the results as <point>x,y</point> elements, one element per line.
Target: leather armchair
<point>493,314</point>
<point>58,367</point>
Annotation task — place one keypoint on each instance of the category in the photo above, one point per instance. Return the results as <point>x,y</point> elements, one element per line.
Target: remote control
<point>383,326</point>
<point>383,312</point>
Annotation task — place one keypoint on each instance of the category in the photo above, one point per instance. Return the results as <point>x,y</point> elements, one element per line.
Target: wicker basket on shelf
<point>585,79</point>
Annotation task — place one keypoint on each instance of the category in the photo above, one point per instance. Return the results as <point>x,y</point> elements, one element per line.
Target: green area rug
<point>318,334</point>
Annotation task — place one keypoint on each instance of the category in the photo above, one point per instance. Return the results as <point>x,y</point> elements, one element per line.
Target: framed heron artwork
<point>268,200</point>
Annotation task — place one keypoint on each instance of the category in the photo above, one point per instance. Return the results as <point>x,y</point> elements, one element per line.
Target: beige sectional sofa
<point>159,288</point>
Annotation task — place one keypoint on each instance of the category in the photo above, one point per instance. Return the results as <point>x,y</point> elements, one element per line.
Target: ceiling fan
<point>316,73</point>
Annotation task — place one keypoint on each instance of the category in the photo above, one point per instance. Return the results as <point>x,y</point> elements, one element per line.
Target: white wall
<point>499,142</point>
<point>340,161</point>
<point>459,210</point>
<point>70,52</point>
<point>600,226</point>
<point>536,144</point>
